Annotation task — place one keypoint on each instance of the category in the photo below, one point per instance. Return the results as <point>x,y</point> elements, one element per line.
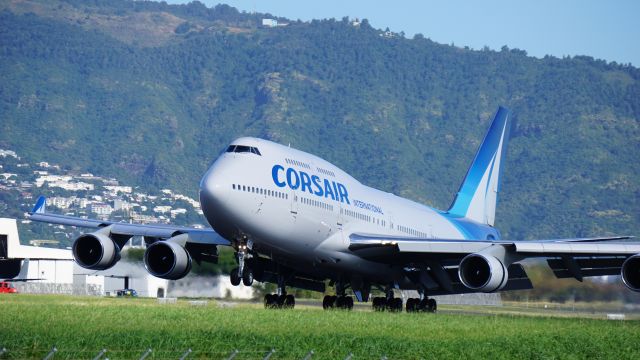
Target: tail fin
<point>41,206</point>
<point>478,194</point>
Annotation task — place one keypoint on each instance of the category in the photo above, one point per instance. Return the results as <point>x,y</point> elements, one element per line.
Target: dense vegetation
<point>150,93</point>
<point>81,327</point>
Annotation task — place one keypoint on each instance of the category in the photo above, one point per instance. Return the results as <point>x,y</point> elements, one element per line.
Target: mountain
<point>151,93</point>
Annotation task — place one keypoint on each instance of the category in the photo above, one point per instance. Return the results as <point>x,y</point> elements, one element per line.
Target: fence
<point>53,288</point>
<point>181,355</point>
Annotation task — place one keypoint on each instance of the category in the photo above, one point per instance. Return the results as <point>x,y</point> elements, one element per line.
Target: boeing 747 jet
<point>298,221</point>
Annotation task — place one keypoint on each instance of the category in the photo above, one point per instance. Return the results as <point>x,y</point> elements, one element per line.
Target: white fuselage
<point>300,209</point>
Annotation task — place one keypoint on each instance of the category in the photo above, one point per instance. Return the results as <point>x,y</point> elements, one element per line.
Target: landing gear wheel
<point>394,304</point>
<point>235,277</point>
<point>247,276</point>
<point>328,302</point>
<point>269,301</point>
<point>397,304</point>
<point>432,305</point>
<point>348,302</point>
<point>289,302</point>
<point>412,305</point>
<point>378,303</point>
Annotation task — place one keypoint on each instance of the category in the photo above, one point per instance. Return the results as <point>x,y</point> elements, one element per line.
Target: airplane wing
<point>149,231</point>
<point>577,258</point>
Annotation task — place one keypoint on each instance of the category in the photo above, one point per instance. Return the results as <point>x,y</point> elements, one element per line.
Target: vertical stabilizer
<point>478,194</point>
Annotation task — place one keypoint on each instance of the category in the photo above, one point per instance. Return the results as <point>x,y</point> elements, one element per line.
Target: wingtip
<point>40,206</point>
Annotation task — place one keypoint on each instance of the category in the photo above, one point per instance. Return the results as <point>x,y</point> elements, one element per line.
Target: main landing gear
<point>388,302</point>
<point>422,304</point>
<point>275,301</point>
<point>426,305</point>
<point>339,301</point>
<point>280,300</point>
<point>394,304</point>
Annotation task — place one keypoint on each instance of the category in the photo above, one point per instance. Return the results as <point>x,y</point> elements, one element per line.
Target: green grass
<point>81,326</point>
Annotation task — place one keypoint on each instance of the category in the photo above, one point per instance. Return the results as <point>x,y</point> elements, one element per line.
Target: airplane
<point>296,220</point>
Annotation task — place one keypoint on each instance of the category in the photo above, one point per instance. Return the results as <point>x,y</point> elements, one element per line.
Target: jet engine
<point>96,251</point>
<point>483,272</point>
<point>167,260</point>
<point>631,272</point>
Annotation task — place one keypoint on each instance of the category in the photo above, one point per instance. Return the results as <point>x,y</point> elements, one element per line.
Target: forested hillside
<point>150,93</point>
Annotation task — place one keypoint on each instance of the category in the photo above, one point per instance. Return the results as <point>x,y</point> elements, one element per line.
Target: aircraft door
<point>293,199</point>
<point>340,224</point>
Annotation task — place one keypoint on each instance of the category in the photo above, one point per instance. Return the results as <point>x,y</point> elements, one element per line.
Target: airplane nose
<point>211,185</point>
<point>215,202</point>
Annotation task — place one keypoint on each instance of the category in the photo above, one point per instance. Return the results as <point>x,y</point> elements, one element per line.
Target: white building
<point>61,202</point>
<point>194,203</point>
<point>114,190</point>
<point>269,22</point>
<point>6,176</point>
<point>100,209</point>
<point>161,209</point>
<point>52,179</point>
<point>121,205</point>
<point>176,212</point>
<point>5,153</point>
<point>82,202</point>
<point>77,186</point>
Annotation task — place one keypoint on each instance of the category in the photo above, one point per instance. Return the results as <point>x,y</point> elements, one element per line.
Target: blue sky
<point>607,30</point>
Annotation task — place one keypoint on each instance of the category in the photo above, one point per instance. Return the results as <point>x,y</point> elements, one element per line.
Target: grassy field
<point>81,326</point>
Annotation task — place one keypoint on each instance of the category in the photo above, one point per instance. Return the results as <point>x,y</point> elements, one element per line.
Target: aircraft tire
<point>378,303</point>
<point>328,302</point>
<point>432,305</point>
<point>394,305</point>
<point>348,302</point>
<point>289,302</point>
<point>247,276</point>
<point>269,301</point>
<point>412,305</point>
<point>235,279</point>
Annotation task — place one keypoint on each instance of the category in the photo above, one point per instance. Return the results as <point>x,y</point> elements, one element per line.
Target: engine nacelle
<point>95,251</point>
<point>483,273</point>
<point>631,272</point>
<point>167,260</point>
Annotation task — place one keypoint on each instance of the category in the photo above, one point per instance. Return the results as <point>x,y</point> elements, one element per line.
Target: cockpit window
<point>243,149</point>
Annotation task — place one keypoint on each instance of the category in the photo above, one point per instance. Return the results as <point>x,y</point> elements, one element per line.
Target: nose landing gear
<point>243,272</point>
